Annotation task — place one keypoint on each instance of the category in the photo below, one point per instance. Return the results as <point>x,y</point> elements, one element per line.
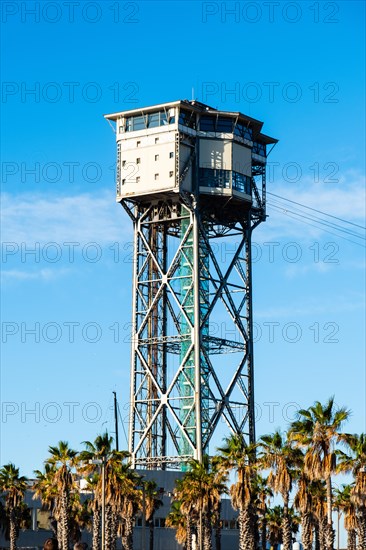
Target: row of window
<point>208,177</point>
<point>207,123</point>
<point>258,148</point>
<point>214,123</point>
<point>142,122</point>
<point>224,179</point>
<point>138,143</point>
<point>138,178</point>
<point>160,522</point>
<point>138,160</point>
<point>220,124</point>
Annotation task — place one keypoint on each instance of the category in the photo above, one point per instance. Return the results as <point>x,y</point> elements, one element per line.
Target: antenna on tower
<point>192,93</point>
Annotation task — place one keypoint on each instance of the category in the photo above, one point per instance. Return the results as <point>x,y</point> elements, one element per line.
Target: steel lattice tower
<point>192,179</point>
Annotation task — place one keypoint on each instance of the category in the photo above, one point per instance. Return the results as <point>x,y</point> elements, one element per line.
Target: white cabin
<point>167,149</point>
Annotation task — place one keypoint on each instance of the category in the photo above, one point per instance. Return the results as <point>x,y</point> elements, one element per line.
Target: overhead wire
<point>316,223</point>
<point>288,213</point>
<point>319,220</point>
<point>304,215</point>
<point>315,210</point>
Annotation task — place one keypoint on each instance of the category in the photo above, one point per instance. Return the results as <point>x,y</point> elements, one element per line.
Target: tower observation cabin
<point>189,147</point>
<point>193,180</point>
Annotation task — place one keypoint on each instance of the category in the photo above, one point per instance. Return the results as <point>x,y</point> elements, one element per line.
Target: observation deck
<point>188,147</point>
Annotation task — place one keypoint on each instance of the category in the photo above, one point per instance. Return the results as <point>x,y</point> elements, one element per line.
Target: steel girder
<point>186,374</point>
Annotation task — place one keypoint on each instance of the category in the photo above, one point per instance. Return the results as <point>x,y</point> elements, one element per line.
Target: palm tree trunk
<point>242,528</point>
<point>108,527</point>
<point>218,528</point>
<point>361,529</point>
<point>151,534</point>
<point>114,530</point>
<point>64,520</point>
<point>286,526</point>
<point>316,535</point>
<point>127,537</point>
<point>254,521</point>
<point>307,531</point>
<point>96,527</point>
<point>218,536</point>
<point>322,532</point>
<point>207,532</point>
<point>59,538</point>
<point>329,534</point>
<point>351,539</point>
<point>12,529</point>
<point>246,534</point>
<point>189,533</point>
<point>329,537</point>
<point>264,532</point>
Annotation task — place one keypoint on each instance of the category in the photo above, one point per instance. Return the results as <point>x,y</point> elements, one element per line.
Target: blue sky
<point>299,67</point>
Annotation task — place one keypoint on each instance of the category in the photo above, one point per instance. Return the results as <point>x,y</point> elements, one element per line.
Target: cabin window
<point>207,124</point>
<point>224,125</point>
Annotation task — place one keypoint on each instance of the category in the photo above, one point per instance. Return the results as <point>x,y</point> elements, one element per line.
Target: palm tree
<point>263,494</point>
<point>125,498</point>
<point>343,503</point>
<point>80,517</point>
<point>275,520</point>
<point>239,456</point>
<point>45,489</point>
<point>89,464</point>
<point>151,503</point>
<point>184,507</point>
<point>317,429</point>
<point>282,459</point>
<point>13,488</point>
<point>274,525</point>
<point>200,490</point>
<point>319,503</point>
<point>62,459</point>
<point>217,524</point>
<point>176,519</point>
<point>356,463</point>
<point>304,503</point>
<point>95,508</point>
<point>101,449</point>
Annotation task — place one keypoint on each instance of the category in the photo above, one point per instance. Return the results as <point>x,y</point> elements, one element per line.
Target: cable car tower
<point>192,179</point>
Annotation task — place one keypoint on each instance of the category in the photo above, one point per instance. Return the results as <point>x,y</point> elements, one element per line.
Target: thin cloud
<point>40,275</point>
<point>351,303</point>
<point>84,218</point>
